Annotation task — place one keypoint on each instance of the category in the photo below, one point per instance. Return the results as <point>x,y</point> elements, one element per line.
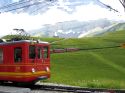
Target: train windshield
<point>1,55</point>
<point>18,54</point>
<point>32,53</point>
<point>38,52</point>
<point>45,49</point>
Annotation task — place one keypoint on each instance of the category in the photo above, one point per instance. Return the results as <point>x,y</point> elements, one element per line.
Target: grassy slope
<point>107,40</point>
<point>91,68</point>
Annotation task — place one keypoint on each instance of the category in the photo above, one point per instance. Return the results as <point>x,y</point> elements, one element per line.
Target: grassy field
<point>103,68</point>
<point>90,68</point>
<point>106,40</point>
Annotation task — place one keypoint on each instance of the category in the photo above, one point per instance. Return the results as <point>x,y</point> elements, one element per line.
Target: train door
<point>46,54</point>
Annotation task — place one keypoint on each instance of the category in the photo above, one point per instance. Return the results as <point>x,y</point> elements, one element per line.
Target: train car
<point>71,49</point>
<point>24,61</point>
<point>58,50</point>
<point>123,45</point>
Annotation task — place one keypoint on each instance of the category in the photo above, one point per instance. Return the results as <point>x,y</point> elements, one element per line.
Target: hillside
<point>120,26</point>
<point>112,28</point>
<point>104,67</point>
<point>97,31</point>
<point>106,40</point>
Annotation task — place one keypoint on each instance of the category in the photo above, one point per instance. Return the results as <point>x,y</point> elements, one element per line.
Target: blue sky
<point>15,0</point>
<point>83,12</point>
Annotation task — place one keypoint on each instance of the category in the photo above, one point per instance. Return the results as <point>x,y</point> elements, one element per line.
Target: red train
<point>24,61</point>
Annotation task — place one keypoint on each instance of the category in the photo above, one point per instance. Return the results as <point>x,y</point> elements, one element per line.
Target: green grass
<point>50,40</point>
<point>96,68</point>
<point>106,40</point>
<point>90,68</point>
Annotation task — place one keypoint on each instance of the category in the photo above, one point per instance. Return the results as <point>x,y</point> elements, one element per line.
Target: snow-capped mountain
<point>76,29</point>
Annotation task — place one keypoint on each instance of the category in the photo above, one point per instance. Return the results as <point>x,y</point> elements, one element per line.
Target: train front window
<point>18,54</point>
<point>39,55</point>
<point>45,49</point>
<point>1,55</point>
<point>32,53</point>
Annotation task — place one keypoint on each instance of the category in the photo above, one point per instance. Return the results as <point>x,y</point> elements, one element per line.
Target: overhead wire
<point>39,8</point>
<point>14,4</point>
<point>108,6</point>
<point>123,3</point>
<point>24,6</point>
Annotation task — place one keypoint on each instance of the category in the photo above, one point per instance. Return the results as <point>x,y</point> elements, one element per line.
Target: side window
<point>39,49</point>
<point>18,54</point>
<point>32,53</point>
<point>45,50</point>
<point>1,55</point>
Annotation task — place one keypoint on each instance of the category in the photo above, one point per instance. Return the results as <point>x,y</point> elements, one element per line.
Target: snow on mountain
<point>76,29</point>
<point>99,31</point>
<point>90,32</point>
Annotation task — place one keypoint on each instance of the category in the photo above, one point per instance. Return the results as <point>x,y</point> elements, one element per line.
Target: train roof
<point>24,41</point>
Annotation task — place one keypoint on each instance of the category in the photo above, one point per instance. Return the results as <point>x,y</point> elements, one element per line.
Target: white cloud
<point>93,12</point>
<point>9,21</point>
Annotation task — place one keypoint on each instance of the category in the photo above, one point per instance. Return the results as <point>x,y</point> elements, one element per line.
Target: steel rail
<point>75,89</point>
<point>63,88</point>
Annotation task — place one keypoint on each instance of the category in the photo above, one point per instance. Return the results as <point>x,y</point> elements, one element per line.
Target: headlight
<point>33,70</point>
<point>47,69</point>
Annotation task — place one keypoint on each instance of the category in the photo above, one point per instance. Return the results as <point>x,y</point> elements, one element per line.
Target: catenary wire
<point>36,3</point>
<point>14,4</point>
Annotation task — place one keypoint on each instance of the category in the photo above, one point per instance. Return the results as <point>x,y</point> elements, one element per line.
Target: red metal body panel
<point>27,70</point>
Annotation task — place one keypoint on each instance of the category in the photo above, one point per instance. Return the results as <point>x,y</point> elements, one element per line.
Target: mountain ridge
<point>75,29</point>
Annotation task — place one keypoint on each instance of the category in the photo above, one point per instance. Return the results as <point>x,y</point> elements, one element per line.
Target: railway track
<point>75,89</point>
<point>63,88</point>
